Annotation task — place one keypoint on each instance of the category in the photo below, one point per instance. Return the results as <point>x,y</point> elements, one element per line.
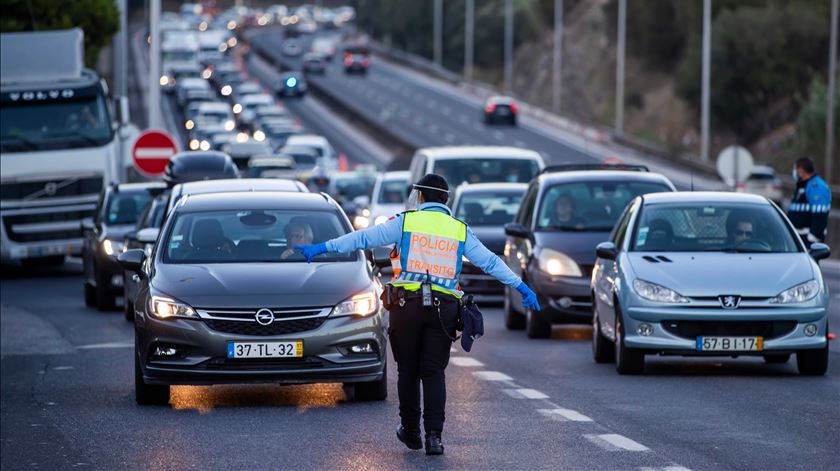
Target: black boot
<point>434,446</point>
<point>410,438</point>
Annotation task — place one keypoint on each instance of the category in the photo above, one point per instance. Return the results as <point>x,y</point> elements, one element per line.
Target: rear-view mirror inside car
<point>256,218</point>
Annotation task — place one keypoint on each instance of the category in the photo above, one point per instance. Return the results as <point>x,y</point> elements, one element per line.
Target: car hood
<point>493,237</point>
<point>713,274</point>
<point>255,285</point>
<point>580,246</point>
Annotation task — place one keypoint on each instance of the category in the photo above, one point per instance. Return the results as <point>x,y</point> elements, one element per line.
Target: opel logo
<point>265,316</point>
<point>50,188</point>
<point>729,301</point>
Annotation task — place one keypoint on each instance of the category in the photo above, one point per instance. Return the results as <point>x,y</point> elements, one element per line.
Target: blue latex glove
<point>529,298</point>
<point>311,251</point>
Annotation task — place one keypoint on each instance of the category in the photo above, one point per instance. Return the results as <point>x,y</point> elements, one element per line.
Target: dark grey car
<point>224,299</point>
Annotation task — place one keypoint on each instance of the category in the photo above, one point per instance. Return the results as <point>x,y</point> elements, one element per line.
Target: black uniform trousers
<point>421,350</point>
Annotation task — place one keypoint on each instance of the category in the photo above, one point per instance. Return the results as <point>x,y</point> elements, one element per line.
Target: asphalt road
<point>514,403</point>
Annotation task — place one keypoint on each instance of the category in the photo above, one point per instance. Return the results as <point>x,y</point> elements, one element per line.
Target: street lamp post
<point>469,37</point>
<point>619,68</point>
<point>830,92</point>
<point>705,79</point>
<point>438,32</point>
<point>557,74</point>
<point>508,46</point>
<point>154,65</point>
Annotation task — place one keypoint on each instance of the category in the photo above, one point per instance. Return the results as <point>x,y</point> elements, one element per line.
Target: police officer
<point>430,243</point>
<point>811,203</point>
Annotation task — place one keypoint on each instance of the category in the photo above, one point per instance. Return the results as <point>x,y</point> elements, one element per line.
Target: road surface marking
<point>525,393</point>
<point>564,414</point>
<point>665,468</point>
<point>492,376</point>
<point>465,361</point>
<point>63,368</point>
<point>96,346</point>
<point>613,441</point>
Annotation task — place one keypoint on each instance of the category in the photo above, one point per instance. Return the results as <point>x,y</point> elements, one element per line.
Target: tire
<point>147,394</point>
<point>513,120</point>
<point>105,300</point>
<point>812,362</point>
<point>373,390</point>
<point>536,327</point>
<point>777,358</point>
<point>603,351</point>
<point>90,295</point>
<point>513,319</point>
<point>40,262</point>
<point>628,361</point>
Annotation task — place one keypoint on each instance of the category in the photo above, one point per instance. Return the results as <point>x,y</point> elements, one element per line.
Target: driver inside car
<point>298,232</point>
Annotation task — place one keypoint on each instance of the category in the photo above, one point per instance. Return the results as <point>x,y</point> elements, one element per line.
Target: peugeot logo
<point>729,301</point>
<point>265,316</point>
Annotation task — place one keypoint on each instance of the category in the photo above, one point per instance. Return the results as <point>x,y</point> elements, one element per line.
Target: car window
<point>239,236</point>
<point>492,208</point>
<point>712,228</point>
<point>392,192</point>
<point>125,208</point>
<point>589,206</point>
<point>478,170</point>
<point>526,212</point>
<point>620,229</point>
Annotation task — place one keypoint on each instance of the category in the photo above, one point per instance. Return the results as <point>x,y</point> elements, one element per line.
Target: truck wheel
<point>147,394</point>
<point>513,319</point>
<point>536,327</point>
<point>628,361</point>
<point>603,351</point>
<point>373,390</point>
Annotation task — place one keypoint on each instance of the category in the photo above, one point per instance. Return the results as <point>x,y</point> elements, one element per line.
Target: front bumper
<point>675,331</point>
<point>202,353</point>
<point>563,300</point>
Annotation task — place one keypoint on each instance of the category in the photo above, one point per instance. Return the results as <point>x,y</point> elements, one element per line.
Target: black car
<point>116,214</point>
<point>199,165</point>
<point>224,299</point>
<point>565,213</point>
<point>500,109</point>
<point>486,208</point>
<point>292,84</point>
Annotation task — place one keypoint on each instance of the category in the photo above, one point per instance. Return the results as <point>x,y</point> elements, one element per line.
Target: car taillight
<point>365,62</point>
<point>348,61</point>
<point>513,108</point>
<point>491,107</point>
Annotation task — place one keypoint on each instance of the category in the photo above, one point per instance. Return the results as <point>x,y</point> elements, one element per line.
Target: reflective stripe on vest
<point>394,256</point>
<point>432,243</point>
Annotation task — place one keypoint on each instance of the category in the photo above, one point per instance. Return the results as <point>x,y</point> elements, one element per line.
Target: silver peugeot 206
<point>718,274</point>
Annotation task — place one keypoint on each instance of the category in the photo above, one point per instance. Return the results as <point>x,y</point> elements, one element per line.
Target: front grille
<point>245,364</point>
<point>53,188</point>
<point>694,329</point>
<point>40,218</point>
<point>278,327</point>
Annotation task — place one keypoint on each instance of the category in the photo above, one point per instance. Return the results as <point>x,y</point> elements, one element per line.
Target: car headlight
<point>164,80</point>
<point>194,144</point>
<point>204,145</point>
<point>167,308</point>
<point>657,293</point>
<point>226,90</point>
<point>557,263</point>
<point>362,304</point>
<point>113,247</point>
<point>237,108</point>
<point>259,136</point>
<point>230,125</point>
<point>798,294</point>
<point>379,220</point>
<point>189,124</point>
<point>361,222</point>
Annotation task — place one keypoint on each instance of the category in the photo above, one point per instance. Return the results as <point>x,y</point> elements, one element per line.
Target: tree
<point>810,124</point>
<point>99,19</point>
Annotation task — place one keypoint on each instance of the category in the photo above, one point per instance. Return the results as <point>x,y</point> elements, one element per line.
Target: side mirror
<point>362,201</point>
<point>819,251</point>
<point>606,250</point>
<point>515,229</point>
<point>132,259</point>
<point>148,235</point>
<point>87,224</point>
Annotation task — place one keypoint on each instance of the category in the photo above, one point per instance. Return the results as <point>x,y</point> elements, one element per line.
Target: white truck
<point>59,144</point>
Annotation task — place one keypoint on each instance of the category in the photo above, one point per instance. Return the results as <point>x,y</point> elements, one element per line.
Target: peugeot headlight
<point>362,304</point>
<point>798,294</point>
<point>112,247</point>
<point>167,308</point>
<point>557,263</point>
<point>230,125</point>
<point>656,293</point>
<point>379,220</point>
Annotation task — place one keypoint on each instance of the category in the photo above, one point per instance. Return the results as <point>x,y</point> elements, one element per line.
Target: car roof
<point>459,152</point>
<point>710,197</point>
<point>763,169</point>
<point>303,139</point>
<point>397,175</point>
<point>493,186</point>
<point>229,185</point>
<point>140,187</point>
<point>259,98</point>
<point>256,200</point>
<point>602,175</point>
<point>500,99</point>
<point>251,85</point>
<point>213,106</point>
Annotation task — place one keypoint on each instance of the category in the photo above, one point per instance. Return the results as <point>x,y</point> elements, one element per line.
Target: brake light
<point>365,62</point>
<point>491,107</point>
<point>513,108</point>
<point>348,61</point>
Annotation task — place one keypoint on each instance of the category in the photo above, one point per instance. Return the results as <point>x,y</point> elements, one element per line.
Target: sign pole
<point>154,65</point>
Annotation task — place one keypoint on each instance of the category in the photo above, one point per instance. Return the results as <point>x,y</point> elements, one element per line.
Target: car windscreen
<point>490,208</point>
<point>718,227</point>
<point>477,170</point>
<point>590,206</point>
<point>125,208</point>
<point>82,121</point>
<point>348,188</point>
<point>393,191</point>
<point>242,236</point>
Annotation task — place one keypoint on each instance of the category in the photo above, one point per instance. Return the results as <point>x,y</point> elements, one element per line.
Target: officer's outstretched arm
<point>490,263</point>
<point>386,233</point>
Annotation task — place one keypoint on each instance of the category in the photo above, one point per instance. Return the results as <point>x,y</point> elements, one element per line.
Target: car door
<point>609,274</point>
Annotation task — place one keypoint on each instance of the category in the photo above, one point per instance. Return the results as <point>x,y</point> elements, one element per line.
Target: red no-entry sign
<point>152,151</point>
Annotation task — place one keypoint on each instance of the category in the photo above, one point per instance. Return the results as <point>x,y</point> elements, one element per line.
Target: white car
<point>319,143</point>
<point>763,181</point>
<point>477,164</point>
<point>213,113</point>
<point>387,199</point>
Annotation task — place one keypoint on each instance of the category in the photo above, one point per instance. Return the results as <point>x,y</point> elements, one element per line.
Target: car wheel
<point>147,394</point>
<point>374,390</point>
<point>105,300</point>
<point>536,326</point>
<point>603,351</point>
<point>628,361</point>
<point>812,362</point>
<point>90,294</point>
<point>513,120</point>
<point>777,358</point>
<point>513,319</point>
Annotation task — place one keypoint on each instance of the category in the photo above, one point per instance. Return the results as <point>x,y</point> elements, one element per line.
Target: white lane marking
<point>154,152</point>
<point>63,368</point>
<point>465,361</point>
<point>665,468</point>
<point>492,376</point>
<point>96,346</point>
<point>525,393</point>
<point>614,441</point>
<point>564,414</point>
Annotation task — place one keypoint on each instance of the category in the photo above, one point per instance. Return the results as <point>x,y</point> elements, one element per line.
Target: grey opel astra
<point>225,299</point>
